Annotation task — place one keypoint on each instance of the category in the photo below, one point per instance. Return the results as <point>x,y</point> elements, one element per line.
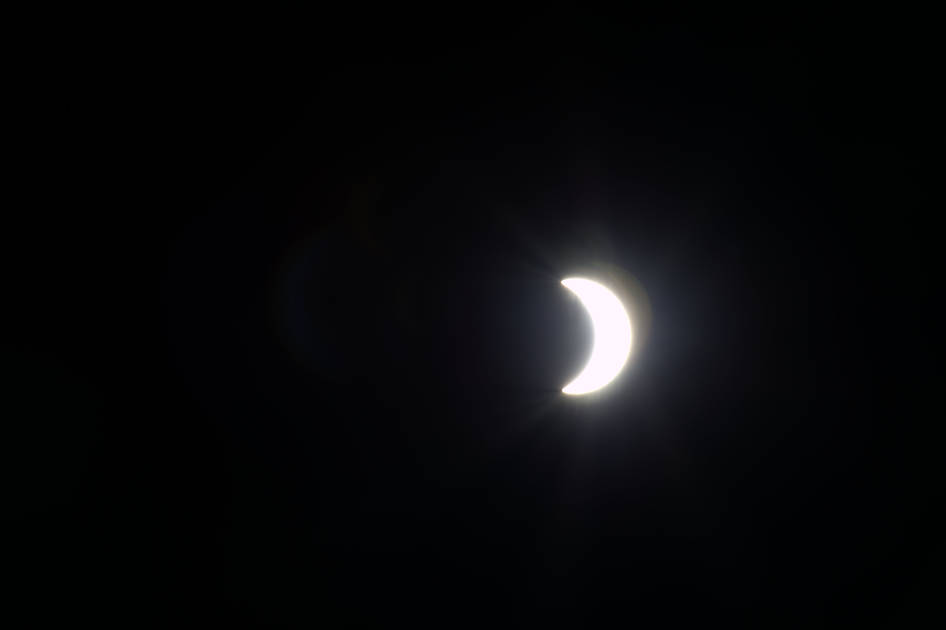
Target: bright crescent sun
<point>612,336</point>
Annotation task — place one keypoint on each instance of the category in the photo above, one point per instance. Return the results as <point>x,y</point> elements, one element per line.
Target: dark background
<point>291,339</point>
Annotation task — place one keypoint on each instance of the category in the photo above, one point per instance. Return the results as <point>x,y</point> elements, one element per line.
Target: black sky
<point>291,355</point>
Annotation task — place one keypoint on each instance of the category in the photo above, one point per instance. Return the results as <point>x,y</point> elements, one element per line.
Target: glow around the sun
<point>612,336</point>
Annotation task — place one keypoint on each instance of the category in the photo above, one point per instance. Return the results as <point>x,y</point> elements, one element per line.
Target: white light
<point>612,336</point>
